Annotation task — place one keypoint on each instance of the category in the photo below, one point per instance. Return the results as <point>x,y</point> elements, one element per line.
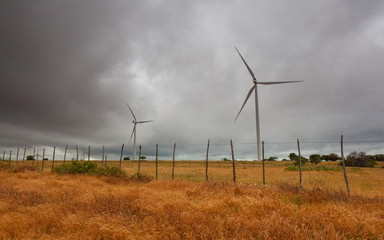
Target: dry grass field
<point>44,205</point>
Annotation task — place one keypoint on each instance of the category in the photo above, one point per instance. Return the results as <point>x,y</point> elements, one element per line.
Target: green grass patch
<point>90,168</point>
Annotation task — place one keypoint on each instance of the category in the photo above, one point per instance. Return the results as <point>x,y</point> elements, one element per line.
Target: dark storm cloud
<point>68,67</point>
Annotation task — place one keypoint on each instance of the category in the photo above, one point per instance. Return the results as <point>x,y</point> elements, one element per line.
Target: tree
<point>330,157</point>
<point>273,158</point>
<point>315,158</point>
<point>126,158</point>
<point>359,159</point>
<point>30,157</point>
<point>293,156</point>
<point>143,157</point>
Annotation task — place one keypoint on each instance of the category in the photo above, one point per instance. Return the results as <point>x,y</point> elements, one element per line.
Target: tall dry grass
<point>35,205</point>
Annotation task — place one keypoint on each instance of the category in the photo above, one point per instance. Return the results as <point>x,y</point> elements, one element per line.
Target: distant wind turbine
<point>254,87</point>
<point>135,122</point>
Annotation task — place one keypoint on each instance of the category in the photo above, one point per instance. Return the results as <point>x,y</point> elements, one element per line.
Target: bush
<point>30,157</point>
<point>126,158</point>
<point>315,159</point>
<point>113,171</point>
<point>76,168</point>
<point>358,159</point>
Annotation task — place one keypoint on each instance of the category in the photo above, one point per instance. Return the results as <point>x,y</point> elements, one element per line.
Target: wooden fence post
<point>206,161</point>
<point>157,159</point>
<point>298,148</point>
<point>25,149</point>
<point>42,165</point>
<point>4,155</point>
<point>121,155</point>
<point>233,163</point>
<point>139,159</point>
<point>345,173</point>
<point>102,158</point>
<point>17,157</point>
<point>10,156</point>
<point>77,153</point>
<point>53,158</point>
<point>65,152</point>
<point>262,149</point>
<point>89,152</point>
<point>33,159</point>
<point>173,161</point>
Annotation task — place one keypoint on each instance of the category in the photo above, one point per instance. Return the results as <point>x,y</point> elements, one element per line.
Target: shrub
<point>315,159</point>
<point>113,171</point>
<point>30,157</point>
<point>126,158</point>
<point>358,159</point>
<point>76,168</point>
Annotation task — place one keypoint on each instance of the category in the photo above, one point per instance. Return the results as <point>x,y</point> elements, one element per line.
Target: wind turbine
<point>135,122</point>
<point>254,88</point>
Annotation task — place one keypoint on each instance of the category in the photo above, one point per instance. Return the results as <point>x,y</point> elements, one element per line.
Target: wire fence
<point>217,151</point>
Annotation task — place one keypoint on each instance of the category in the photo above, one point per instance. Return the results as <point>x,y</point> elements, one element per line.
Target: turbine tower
<point>254,88</point>
<point>135,122</point>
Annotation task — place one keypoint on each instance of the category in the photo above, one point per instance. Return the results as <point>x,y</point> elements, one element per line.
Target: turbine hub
<point>254,81</point>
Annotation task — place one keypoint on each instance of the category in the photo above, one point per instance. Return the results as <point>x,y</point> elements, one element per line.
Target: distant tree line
<point>354,159</point>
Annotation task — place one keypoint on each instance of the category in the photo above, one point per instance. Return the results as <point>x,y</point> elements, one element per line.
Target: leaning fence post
<point>262,149</point>
<point>33,159</point>
<point>42,165</point>
<point>65,152</point>
<point>157,159</point>
<point>10,156</point>
<point>17,156</point>
<point>298,148</point>
<point>139,159</point>
<point>233,163</point>
<point>25,149</point>
<point>173,161</point>
<point>89,152</point>
<point>102,158</point>
<point>345,173</point>
<point>4,155</point>
<point>121,155</point>
<point>77,153</point>
<point>53,158</point>
<point>206,161</point>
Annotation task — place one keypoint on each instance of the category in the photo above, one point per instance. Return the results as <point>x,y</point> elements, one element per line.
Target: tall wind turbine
<point>254,88</point>
<point>135,122</point>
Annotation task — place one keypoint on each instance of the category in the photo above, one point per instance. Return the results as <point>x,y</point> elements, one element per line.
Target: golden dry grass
<point>35,205</point>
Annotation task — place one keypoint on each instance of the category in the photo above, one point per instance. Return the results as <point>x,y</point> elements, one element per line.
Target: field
<point>43,205</point>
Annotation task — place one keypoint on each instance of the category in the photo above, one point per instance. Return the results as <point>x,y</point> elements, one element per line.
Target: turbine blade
<point>131,111</point>
<point>133,131</point>
<point>249,69</point>
<point>145,121</point>
<point>271,83</point>
<point>246,99</point>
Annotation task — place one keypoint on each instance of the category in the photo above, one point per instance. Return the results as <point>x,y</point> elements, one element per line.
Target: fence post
<point>206,161</point>
<point>298,148</point>
<point>121,155</point>
<point>33,159</point>
<point>65,152</point>
<point>102,158</point>
<point>10,156</point>
<point>42,165</point>
<point>53,158</point>
<point>17,157</point>
<point>77,153</point>
<point>262,149</point>
<point>4,155</point>
<point>233,163</point>
<point>173,161</point>
<point>25,149</point>
<point>345,173</point>
<point>89,152</point>
<point>157,159</point>
<point>139,159</point>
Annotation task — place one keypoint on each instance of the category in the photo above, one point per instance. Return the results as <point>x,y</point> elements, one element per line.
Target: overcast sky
<point>67,68</point>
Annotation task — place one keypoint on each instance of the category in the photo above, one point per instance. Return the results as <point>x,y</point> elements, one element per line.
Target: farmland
<point>43,205</point>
